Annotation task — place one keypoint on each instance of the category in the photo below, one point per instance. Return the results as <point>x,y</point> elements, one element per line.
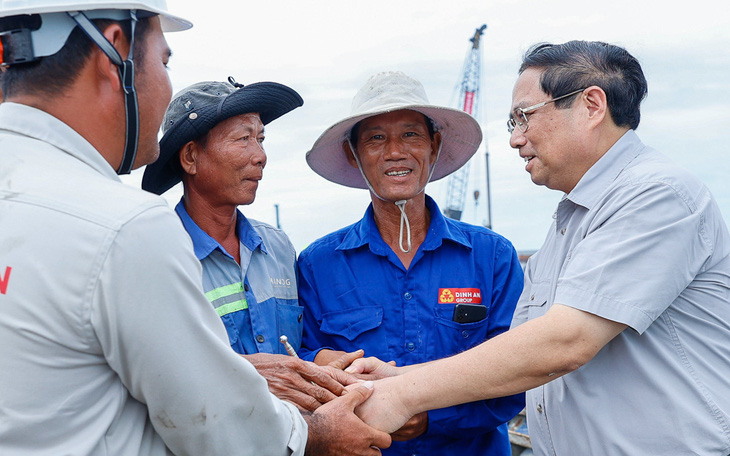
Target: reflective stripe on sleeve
<point>231,307</point>
<point>225,292</point>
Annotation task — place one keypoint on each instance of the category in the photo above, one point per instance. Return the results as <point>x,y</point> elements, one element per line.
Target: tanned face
<point>231,164</point>
<point>396,152</point>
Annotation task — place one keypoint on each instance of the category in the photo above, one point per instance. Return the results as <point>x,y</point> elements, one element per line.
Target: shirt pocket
<point>453,337</point>
<point>536,301</point>
<point>354,328</point>
<point>289,323</point>
<point>232,321</point>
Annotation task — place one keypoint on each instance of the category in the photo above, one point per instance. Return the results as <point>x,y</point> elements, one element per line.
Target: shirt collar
<point>366,232</point>
<point>204,245</point>
<point>606,169</point>
<point>37,124</point>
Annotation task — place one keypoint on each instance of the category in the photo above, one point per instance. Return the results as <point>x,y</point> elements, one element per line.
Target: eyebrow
<point>251,129</point>
<point>406,125</point>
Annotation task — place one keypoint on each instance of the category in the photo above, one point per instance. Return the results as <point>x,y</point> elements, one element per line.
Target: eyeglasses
<point>519,116</point>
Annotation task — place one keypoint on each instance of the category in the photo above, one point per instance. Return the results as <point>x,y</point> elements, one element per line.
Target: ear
<point>596,104</point>
<point>435,146</point>
<point>189,157</point>
<point>107,70</point>
<point>349,154</point>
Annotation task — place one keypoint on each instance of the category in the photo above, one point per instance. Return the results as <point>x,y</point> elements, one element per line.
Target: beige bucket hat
<point>386,92</point>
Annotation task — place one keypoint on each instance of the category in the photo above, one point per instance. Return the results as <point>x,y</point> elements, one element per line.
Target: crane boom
<point>468,100</point>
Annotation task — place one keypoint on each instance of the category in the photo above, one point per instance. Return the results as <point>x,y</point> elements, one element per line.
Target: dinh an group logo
<point>460,296</point>
<point>446,296</point>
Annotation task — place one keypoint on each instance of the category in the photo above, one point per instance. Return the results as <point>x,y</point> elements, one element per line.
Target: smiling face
<point>226,167</point>
<point>396,153</point>
<point>552,146</point>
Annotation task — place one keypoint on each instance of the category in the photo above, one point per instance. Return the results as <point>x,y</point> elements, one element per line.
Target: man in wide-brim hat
<point>389,284</point>
<point>213,135</point>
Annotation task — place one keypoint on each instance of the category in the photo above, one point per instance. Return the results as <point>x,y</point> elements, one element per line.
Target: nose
<point>259,155</point>
<point>393,149</point>
<point>517,139</point>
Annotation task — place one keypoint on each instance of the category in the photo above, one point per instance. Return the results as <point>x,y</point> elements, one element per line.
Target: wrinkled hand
<point>334,430</point>
<point>302,383</point>
<point>413,427</point>
<point>374,367</point>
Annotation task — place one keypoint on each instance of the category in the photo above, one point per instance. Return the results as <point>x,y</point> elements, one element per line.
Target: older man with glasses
<point>620,335</point>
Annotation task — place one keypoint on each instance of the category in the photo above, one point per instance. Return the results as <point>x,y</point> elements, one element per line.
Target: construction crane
<point>469,102</point>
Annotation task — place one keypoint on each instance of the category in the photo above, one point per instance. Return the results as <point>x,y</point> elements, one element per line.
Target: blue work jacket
<point>256,300</point>
<point>356,293</point>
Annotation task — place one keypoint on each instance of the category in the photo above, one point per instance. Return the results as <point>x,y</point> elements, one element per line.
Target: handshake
<point>350,403</point>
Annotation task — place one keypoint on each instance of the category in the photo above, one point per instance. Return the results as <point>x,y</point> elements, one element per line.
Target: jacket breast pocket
<point>358,327</point>
<point>453,337</point>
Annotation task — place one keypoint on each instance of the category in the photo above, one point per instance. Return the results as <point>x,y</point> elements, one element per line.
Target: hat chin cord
<point>400,203</point>
<point>126,74</point>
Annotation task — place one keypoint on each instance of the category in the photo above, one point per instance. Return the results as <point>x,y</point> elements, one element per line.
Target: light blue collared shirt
<point>642,242</point>
<point>256,300</point>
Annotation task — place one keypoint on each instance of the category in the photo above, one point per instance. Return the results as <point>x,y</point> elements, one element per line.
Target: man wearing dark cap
<point>213,143</point>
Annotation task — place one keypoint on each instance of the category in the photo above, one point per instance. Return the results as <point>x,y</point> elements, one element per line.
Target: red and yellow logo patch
<point>460,296</point>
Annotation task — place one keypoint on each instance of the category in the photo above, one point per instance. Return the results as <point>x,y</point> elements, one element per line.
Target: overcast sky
<point>327,49</point>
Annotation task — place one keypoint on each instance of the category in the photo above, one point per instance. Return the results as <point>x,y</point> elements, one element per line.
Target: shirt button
<point>245,286</point>
<point>562,231</point>
<point>410,346</point>
<point>407,295</point>
<point>465,334</point>
<point>539,408</point>
<point>260,339</point>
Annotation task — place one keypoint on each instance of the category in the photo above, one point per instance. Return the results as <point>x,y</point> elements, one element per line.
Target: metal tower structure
<point>468,102</point>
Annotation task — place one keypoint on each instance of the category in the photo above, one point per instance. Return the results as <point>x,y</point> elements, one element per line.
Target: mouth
<point>528,158</point>
<point>398,173</point>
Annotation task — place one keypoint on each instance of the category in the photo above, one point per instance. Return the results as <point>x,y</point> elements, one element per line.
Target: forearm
<point>523,358</point>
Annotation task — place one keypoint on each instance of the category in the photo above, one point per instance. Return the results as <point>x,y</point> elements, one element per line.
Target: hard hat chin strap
<point>126,74</point>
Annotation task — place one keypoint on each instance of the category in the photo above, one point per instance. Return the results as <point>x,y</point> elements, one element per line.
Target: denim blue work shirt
<point>257,300</point>
<point>642,242</point>
<point>356,293</point>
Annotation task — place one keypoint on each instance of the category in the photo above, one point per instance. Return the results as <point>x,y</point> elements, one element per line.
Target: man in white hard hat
<point>406,283</point>
<point>107,343</point>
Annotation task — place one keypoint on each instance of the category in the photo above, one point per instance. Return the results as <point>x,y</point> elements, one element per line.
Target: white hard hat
<point>56,25</point>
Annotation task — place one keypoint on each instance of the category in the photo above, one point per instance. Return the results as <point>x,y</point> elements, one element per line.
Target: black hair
<point>355,130</point>
<point>577,65</point>
<point>54,73</point>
